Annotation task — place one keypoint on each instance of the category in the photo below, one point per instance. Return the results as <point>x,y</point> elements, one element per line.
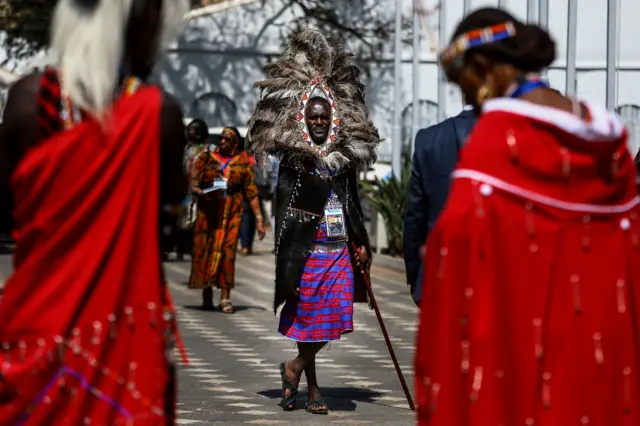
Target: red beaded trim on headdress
<point>320,83</point>
<point>476,38</point>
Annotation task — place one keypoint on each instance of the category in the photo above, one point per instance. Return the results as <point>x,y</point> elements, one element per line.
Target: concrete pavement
<point>233,376</point>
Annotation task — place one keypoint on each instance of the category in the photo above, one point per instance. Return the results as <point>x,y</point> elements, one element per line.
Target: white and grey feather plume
<point>273,128</point>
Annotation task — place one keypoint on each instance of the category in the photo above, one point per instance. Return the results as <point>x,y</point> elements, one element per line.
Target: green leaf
<point>389,199</point>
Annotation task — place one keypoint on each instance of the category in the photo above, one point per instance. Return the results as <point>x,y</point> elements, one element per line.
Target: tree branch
<point>271,21</point>
<point>362,25</point>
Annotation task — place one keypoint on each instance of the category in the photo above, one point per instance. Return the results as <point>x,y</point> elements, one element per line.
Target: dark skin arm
<point>254,202</point>
<point>363,257</point>
<point>17,133</point>
<point>255,206</point>
<point>6,168</point>
<point>362,260</point>
<point>173,181</point>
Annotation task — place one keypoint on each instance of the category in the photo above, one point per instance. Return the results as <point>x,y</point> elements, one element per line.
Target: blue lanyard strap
<point>527,87</point>
<point>224,166</point>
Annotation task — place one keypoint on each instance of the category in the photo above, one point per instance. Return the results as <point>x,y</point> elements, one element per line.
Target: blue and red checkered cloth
<point>324,310</point>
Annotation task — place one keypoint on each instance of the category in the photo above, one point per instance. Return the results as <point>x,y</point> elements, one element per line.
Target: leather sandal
<point>288,402</point>
<point>226,307</point>
<point>316,407</point>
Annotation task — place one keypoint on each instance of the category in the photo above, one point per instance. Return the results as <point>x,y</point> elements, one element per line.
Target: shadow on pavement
<point>261,253</point>
<point>237,308</point>
<point>338,399</point>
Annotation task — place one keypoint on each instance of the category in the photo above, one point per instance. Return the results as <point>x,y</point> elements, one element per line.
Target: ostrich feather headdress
<point>278,125</point>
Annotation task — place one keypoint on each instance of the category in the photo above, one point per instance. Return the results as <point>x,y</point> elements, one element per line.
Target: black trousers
<point>184,242</point>
<point>247,229</point>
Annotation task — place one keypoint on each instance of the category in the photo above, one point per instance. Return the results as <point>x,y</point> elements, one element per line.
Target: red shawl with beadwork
<point>529,314</point>
<point>83,321</point>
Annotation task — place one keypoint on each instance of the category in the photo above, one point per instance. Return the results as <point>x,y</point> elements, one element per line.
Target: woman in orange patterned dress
<point>219,214</point>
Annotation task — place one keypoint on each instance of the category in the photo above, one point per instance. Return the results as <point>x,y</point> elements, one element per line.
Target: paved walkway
<point>233,375</point>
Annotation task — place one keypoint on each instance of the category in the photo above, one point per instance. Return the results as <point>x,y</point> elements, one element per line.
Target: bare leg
<point>207,298</point>
<point>225,300</point>
<point>225,293</point>
<point>312,385</point>
<point>306,359</point>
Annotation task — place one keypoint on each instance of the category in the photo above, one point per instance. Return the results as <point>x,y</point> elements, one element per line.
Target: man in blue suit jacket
<point>435,157</point>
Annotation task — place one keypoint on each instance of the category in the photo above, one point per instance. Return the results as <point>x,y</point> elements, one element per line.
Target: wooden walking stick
<point>405,388</point>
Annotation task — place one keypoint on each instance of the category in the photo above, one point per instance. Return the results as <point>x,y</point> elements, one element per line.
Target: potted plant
<point>389,197</point>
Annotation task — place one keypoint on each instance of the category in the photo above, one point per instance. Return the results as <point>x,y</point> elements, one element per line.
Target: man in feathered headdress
<point>312,115</point>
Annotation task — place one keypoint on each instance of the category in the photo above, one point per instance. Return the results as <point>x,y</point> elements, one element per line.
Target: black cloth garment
<point>435,157</point>
<point>300,202</point>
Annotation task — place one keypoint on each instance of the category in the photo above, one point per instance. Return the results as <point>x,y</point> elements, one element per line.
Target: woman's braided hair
<point>531,49</point>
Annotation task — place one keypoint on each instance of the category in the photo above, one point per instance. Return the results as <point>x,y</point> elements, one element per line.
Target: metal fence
<point>537,11</point>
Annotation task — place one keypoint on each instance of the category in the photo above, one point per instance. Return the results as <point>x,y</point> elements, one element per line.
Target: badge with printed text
<point>218,185</point>
<point>335,222</point>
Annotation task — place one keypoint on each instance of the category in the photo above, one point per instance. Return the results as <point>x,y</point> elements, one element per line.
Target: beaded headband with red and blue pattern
<point>481,36</point>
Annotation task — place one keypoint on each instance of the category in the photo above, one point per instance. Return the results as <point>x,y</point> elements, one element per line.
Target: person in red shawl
<point>530,306</point>
<point>89,158</point>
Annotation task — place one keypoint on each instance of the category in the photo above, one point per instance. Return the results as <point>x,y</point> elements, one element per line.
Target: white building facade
<point>212,69</point>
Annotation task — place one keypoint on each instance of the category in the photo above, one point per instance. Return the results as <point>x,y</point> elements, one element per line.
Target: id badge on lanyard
<point>335,222</point>
<point>334,217</point>
<point>220,184</point>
